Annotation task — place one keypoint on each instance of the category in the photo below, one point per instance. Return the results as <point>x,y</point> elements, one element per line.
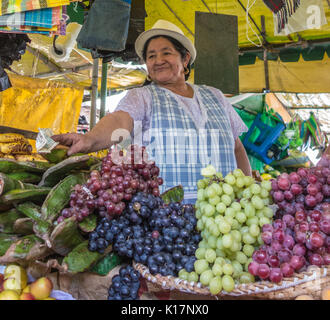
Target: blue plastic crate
<point>267,136</point>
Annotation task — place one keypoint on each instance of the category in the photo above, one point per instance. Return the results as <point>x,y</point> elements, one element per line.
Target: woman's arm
<point>242,159</point>
<point>102,136</point>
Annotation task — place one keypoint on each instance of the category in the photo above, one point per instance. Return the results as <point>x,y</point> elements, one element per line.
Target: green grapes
<point>215,285</point>
<point>227,269</point>
<point>217,269</point>
<point>206,277</point>
<point>227,189</point>
<point>201,266</point>
<point>230,213</point>
<point>214,200</point>
<point>228,283</point>
<point>226,199</point>
<point>221,207</point>
<point>230,179</point>
<point>193,276</point>
<point>210,255</point>
<point>248,250</point>
<point>200,253</point>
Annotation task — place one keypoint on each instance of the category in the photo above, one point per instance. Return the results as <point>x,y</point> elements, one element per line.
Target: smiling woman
<point>184,127</point>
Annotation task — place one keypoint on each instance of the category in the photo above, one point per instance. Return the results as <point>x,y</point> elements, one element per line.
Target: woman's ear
<point>186,59</point>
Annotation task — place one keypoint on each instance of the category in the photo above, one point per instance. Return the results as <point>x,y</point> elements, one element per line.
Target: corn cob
<point>30,157</point>
<point>8,156</point>
<point>15,148</point>
<point>11,137</point>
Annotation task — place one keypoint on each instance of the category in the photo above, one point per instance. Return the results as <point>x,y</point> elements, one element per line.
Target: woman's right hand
<point>76,142</point>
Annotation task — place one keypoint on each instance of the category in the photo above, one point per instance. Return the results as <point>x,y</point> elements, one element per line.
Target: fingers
<point>66,139</point>
<point>75,148</point>
<point>77,142</point>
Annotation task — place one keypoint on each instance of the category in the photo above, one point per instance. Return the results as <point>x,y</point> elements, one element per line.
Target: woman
<point>185,127</point>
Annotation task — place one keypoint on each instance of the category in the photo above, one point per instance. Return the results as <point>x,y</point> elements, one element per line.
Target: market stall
<point>95,226</point>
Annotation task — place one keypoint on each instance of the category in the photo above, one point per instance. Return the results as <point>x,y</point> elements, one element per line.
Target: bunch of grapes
<point>163,237</point>
<point>300,235</point>
<point>306,189</point>
<point>291,244</point>
<point>122,174</point>
<point>230,213</point>
<point>125,285</point>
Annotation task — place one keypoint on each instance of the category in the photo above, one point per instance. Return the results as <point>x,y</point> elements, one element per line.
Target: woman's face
<point>165,64</point>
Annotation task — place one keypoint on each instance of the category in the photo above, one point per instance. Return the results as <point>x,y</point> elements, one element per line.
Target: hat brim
<point>146,35</point>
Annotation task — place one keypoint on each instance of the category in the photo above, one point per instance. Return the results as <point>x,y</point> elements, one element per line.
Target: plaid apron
<point>179,149</point>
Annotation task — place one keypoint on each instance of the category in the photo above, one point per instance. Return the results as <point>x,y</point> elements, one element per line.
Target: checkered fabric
<point>179,149</point>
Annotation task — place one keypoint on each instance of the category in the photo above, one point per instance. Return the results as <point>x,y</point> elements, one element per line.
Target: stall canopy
<point>297,62</point>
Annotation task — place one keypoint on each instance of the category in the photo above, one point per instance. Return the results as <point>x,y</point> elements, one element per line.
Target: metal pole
<point>265,54</point>
<point>92,121</point>
<point>103,89</point>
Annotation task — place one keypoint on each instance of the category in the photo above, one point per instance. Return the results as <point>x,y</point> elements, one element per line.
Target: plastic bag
<point>12,47</point>
<point>4,80</point>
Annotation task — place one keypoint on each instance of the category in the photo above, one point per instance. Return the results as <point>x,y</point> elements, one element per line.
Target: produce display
<point>230,213</point>
<point>81,213</point>
<point>300,235</point>
<point>29,230</point>
<point>150,232</point>
<point>14,285</point>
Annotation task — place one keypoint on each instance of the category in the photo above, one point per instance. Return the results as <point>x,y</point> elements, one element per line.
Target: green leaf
<point>28,248</point>
<point>66,236</point>
<point>105,265</point>
<point>23,226</point>
<point>174,194</point>
<point>7,220</point>
<point>56,173</point>
<point>81,259</point>
<point>6,240</point>
<point>18,196</point>
<point>56,155</point>
<point>26,177</point>
<point>89,223</point>
<point>11,166</point>
<point>59,196</point>
<point>41,227</point>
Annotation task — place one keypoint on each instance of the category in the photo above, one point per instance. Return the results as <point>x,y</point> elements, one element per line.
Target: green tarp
<point>312,53</point>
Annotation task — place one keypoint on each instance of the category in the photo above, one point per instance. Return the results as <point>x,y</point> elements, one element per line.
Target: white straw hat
<point>166,28</point>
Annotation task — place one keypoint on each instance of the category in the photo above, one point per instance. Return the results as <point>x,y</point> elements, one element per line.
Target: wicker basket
<point>310,282</point>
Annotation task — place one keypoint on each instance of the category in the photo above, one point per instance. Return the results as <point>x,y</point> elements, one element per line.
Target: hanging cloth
<point>283,9</point>
<point>106,26</point>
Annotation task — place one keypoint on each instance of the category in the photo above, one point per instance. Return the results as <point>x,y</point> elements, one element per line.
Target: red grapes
<point>122,175</point>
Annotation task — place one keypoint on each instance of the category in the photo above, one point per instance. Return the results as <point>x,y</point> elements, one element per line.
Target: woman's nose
<point>159,59</point>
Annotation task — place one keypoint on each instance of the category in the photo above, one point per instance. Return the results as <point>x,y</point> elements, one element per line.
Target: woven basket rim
<point>261,287</point>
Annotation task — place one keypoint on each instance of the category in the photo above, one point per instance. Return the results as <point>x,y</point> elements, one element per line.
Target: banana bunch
<point>12,144</point>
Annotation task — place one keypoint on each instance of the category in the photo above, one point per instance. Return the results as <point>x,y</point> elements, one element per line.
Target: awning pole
<point>265,55</point>
<point>92,121</point>
<point>103,88</point>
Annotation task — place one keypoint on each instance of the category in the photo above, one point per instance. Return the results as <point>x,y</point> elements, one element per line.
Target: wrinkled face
<point>165,64</point>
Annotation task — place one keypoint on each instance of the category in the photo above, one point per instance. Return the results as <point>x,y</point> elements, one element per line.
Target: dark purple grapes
<point>125,285</point>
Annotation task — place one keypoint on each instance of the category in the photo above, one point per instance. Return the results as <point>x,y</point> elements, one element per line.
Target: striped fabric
<point>44,21</point>
<point>12,6</point>
<point>179,149</point>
